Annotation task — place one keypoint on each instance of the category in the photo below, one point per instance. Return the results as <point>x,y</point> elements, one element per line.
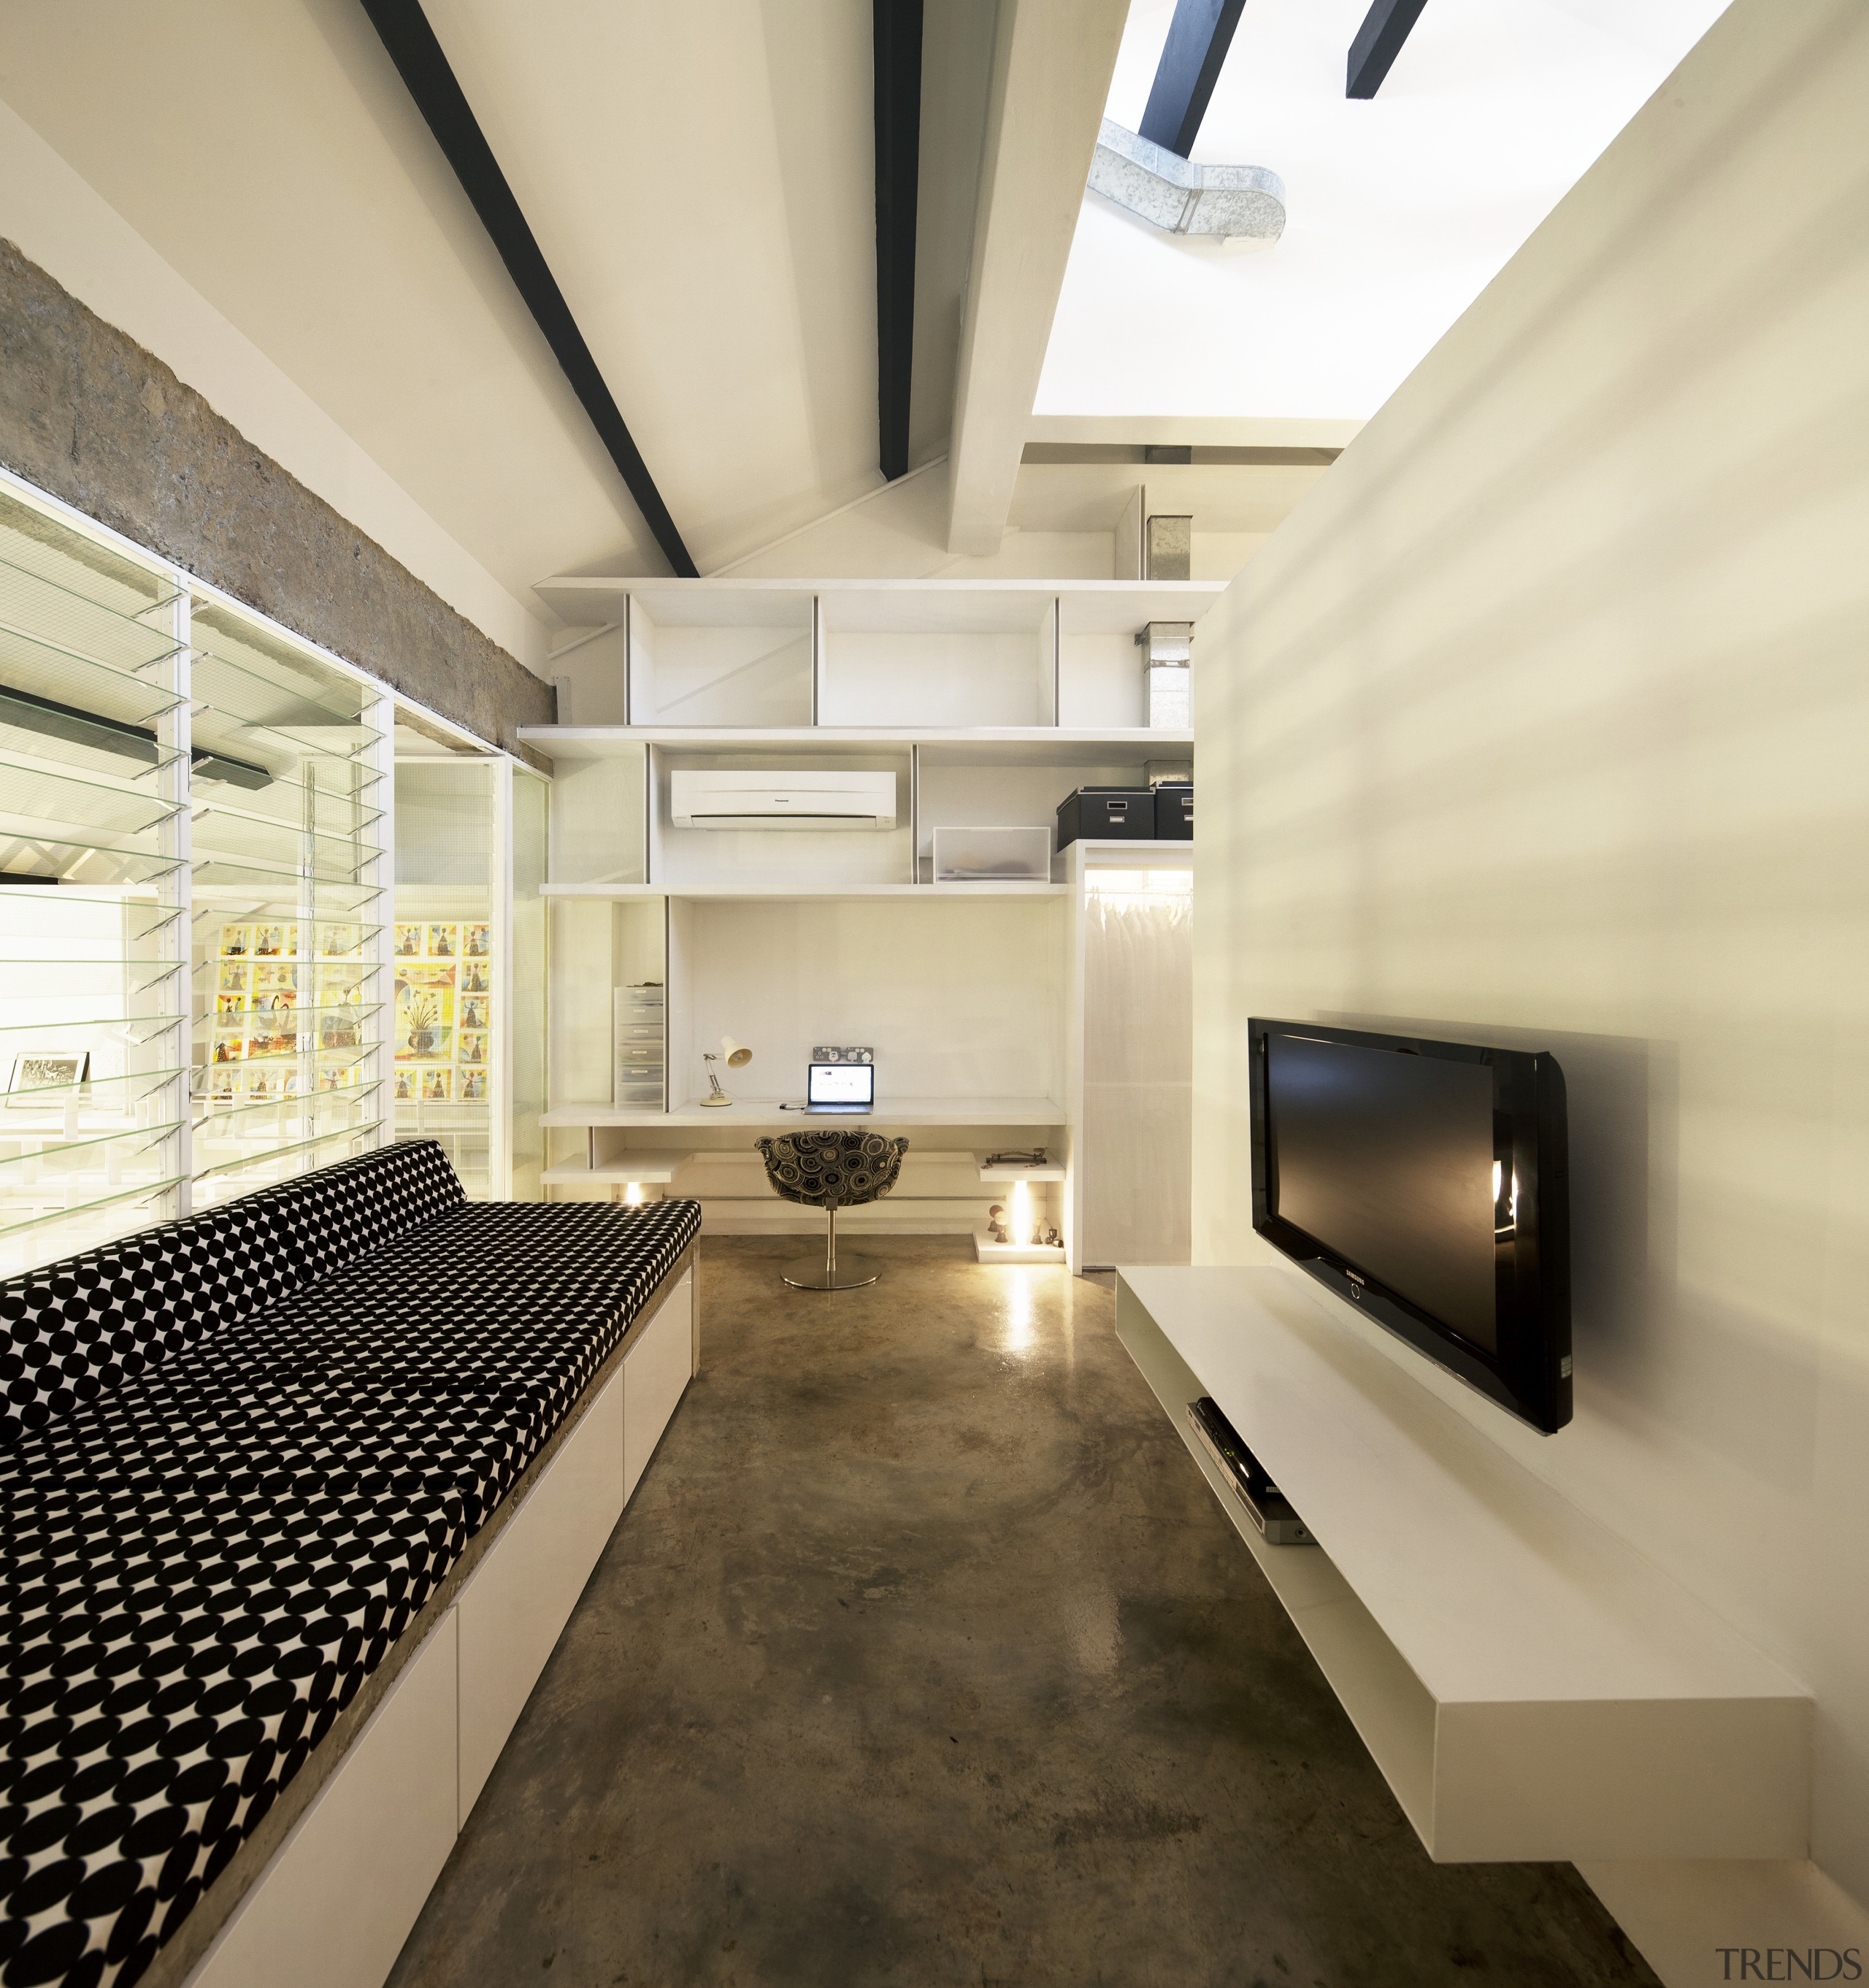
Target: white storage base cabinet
<point>338,1899</point>
<point>1530,1686</point>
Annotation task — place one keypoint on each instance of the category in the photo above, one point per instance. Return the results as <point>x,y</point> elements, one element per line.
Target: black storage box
<point>1106,814</point>
<point>1174,814</point>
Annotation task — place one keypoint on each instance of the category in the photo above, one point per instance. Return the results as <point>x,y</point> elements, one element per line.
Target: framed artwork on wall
<point>45,1070</point>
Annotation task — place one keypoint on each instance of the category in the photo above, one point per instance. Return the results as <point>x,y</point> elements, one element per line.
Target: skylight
<point>1400,209</point>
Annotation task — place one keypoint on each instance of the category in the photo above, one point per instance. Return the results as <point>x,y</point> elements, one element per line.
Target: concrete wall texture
<point>1540,721</point>
<point>89,416</point>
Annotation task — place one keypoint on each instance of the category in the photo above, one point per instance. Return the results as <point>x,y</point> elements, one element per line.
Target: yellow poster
<point>340,942</point>
<point>424,1013</point>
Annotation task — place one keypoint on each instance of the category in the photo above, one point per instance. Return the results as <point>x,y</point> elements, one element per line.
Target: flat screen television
<point>1427,1183</point>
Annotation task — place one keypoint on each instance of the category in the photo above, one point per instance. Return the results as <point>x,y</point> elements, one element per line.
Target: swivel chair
<point>830,1171</point>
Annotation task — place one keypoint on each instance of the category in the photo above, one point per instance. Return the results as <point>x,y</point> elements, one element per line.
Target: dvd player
<point>1266,1505</point>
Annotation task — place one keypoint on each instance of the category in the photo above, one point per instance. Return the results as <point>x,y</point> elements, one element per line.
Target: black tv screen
<point>1427,1183</point>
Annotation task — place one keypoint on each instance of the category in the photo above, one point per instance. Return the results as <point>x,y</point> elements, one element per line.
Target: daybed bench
<point>297,1495</point>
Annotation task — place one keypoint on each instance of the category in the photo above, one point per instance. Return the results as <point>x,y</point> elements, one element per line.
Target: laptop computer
<point>843,1088</point>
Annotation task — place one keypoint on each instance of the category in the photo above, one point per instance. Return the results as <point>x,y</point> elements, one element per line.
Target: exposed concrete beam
<point>1052,66</point>
<point>89,416</point>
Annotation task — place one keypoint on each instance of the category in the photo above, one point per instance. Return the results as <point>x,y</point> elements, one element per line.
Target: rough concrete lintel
<point>90,416</point>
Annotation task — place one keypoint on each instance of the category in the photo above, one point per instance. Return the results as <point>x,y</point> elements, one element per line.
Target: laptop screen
<point>841,1084</point>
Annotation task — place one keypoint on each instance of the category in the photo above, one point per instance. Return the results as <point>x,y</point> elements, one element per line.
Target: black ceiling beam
<point>896,35</point>
<point>1379,41</point>
<point>1198,39</point>
<point>404,30</point>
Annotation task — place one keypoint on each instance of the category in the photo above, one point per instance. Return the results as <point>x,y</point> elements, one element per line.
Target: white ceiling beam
<point>1052,66</point>
<point>1200,431</point>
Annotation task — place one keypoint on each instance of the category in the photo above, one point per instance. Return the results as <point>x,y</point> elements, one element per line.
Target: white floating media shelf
<point>1532,1688</point>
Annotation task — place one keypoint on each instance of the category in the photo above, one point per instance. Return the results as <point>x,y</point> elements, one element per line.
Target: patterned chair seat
<point>840,1169</point>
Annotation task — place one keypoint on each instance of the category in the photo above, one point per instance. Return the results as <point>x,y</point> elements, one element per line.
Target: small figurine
<point>994,1227</point>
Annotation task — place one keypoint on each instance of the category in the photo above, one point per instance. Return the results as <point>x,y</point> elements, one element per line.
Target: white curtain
<point>1137,1151</point>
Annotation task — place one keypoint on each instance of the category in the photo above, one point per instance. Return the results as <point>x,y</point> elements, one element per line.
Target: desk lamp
<point>737,1055</point>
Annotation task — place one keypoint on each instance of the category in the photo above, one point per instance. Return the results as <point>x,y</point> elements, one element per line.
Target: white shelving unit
<point>989,701</point>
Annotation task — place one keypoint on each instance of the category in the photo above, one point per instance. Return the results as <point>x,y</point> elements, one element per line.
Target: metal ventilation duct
<point>1173,194</point>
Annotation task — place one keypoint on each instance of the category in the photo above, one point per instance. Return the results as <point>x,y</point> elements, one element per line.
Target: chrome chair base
<point>829,1169</point>
<point>848,1273</point>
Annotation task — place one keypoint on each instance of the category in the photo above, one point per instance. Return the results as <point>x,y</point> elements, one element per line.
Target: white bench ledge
<point>1530,1686</point>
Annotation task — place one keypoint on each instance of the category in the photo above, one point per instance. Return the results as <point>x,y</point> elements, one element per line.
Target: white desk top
<point>766,1115</point>
<point>654,1169</point>
<point>1493,1585</point>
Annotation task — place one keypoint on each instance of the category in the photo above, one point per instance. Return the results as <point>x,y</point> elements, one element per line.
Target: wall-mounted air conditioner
<point>808,800</point>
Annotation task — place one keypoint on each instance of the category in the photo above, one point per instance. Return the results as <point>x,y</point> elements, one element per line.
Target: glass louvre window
<point>525,1036</point>
<point>287,895</point>
<point>93,994</point>
<point>448,960</point>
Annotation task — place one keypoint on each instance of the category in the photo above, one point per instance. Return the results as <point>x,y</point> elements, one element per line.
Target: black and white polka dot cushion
<point>75,1330</point>
<point>339,1213</point>
<point>200,1570</point>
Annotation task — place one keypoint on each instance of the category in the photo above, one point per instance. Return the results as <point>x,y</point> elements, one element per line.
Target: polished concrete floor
<point>923,1656</point>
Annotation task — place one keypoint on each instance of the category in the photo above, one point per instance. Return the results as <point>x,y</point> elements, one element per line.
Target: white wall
<point>899,531</point>
<point>956,999</point>
<point>1542,721</point>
